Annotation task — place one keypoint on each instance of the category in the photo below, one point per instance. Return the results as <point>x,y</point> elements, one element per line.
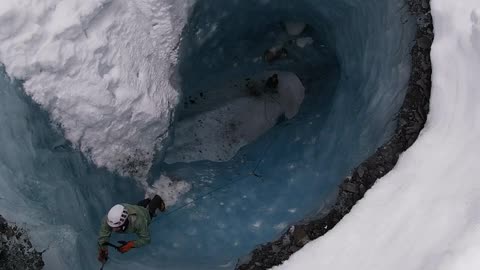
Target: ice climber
<point>127,218</point>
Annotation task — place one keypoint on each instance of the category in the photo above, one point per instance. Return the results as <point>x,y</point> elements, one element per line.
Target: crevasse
<point>107,85</point>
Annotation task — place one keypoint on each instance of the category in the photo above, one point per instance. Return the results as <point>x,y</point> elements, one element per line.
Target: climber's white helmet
<point>117,216</point>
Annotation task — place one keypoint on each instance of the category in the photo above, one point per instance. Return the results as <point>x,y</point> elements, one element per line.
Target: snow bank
<point>101,68</point>
<point>425,213</point>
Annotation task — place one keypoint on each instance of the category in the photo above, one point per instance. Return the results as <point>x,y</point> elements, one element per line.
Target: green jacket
<point>139,220</point>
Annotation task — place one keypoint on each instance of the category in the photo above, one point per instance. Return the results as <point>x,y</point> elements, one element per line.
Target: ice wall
<point>217,134</point>
<point>47,186</point>
<point>354,74</point>
<point>102,68</point>
<point>217,33</point>
<point>426,208</point>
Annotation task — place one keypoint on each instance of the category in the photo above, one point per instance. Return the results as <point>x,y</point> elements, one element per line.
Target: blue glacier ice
<point>355,74</point>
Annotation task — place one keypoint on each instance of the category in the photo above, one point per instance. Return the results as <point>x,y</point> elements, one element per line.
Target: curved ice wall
<point>108,75</point>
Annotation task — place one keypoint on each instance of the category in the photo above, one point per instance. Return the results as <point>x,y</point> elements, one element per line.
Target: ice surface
<point>423,214</point>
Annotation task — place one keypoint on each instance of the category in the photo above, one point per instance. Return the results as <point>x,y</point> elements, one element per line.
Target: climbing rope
<point>230,183</point>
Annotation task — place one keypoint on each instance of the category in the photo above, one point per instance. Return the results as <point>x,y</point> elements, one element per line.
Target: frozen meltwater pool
<point>255,158</point>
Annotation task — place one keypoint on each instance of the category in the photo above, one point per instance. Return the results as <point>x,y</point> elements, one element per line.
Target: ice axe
<point>103,264</point>
<point>115,247</point>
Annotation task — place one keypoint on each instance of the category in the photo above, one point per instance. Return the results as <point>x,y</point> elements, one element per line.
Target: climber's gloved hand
<point>126,247</point>
<point>102,254</point>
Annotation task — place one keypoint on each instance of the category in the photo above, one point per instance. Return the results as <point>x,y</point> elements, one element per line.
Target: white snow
<point>169,188</point>
<point>101,68</point>
<point>425,214</point>
<point>218,134</point>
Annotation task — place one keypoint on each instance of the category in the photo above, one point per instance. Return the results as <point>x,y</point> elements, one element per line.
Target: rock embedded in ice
<point>294,28</point>
<point>300,237</point>
<point>424,42</point>
<point>361,171</point>
<point>350,187</point>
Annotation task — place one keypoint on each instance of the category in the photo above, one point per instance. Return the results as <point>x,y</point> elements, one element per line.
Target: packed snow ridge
<point>102,70</point>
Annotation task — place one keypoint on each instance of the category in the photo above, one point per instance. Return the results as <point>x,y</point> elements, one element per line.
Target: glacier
<point>96,106</point>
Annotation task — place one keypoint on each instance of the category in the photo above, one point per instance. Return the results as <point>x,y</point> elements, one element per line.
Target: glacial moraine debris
<point>16,250</point>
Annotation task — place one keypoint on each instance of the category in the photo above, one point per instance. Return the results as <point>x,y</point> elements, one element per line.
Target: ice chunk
<point>291,93</point>
<point>302,42</point>
<point>170,189</point>
<point>218,134</point>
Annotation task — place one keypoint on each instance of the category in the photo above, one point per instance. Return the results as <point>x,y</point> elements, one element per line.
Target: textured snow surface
<point>425,213</point>
<point>101,68</point>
